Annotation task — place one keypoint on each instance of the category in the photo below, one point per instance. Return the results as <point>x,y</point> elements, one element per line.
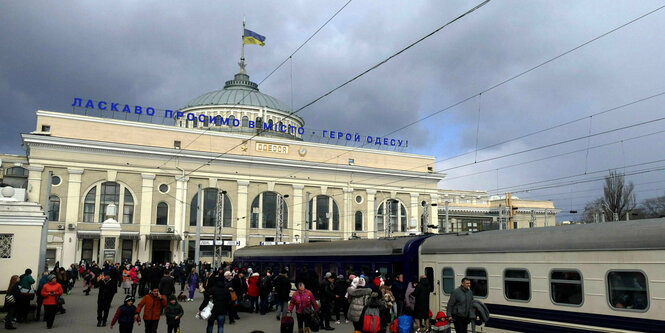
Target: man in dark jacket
<point>219,294</point>
<point>166,284</point>
<point>341,303</point>
<point>107,289</point>
<point>398,289</point>
<point>265,287</point>
<point>282,290</point>
<point>421,306</point>
<point>460,306</point>
<point>240,285</point>
<point>327,299</point>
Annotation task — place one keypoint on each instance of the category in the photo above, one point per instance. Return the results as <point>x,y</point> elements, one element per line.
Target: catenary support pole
<point>197,246</point>
<point>44,240</point>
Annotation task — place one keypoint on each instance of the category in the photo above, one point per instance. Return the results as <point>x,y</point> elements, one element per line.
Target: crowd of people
<point>371,303</point>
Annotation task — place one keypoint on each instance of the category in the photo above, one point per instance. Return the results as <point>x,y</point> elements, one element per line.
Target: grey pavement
<point>81,317</point>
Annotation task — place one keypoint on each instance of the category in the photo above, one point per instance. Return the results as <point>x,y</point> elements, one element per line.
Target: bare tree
<point>653,207</point>
<point>618,197</point>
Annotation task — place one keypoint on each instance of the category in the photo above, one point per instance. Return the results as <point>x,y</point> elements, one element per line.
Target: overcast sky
<point>163,54</point>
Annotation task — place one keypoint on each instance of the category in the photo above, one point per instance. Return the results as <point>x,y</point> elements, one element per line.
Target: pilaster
<point>347,214</point>
<point>243,217</point>
<point>297,225</point>
<point>72,214</point>
<point>35,183</point>
<point>371,209</point>
<point>414,216</point>
<point>146,214</point>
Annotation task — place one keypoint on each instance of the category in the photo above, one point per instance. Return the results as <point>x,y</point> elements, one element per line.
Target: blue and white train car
<point>606,277</point>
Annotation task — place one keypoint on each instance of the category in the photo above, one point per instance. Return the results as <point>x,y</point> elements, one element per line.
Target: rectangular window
<point>448,277</point>
<point>429,273</point>
<point>627,290</point>
<point>6,245</point>
<point>86,249</point>
<point>127,246</point>
<point>566,287</point>
<point>50,258</point>
<point>517,284</point>
<point>478,277</point>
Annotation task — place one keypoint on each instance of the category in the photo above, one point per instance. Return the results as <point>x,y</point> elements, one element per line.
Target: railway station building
<point>218,141</point>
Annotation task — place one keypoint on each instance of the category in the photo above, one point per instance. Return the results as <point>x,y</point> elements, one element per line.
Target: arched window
<point>53,208</point>
<point>16,171</point>
<point>264,209</point>
<point>162,214</point>
<point>245,121</point>
<point>324,212</point>
<point>278,127</point>
<point>231,119</point>
<point>391,212</point>
<point>218,120</point>
<point>209,209</point>
<point>195,122</point>
<point>359,221</point>
<point>206,121</point>
<point>259,123</point>
<point>101,195</point>
<point>270,123</point>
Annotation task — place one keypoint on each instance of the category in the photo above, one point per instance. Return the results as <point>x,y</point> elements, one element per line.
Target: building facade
<point>272,185</point>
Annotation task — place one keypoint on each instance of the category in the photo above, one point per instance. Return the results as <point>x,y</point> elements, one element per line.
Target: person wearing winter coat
<point>220,296</point>
<point>107,289</point>
<point>124,316</point>
<point>265,287</point>
<point>173,313</point>
<point>282,290</point>
<point>193,282</point>
<point>51,291</point>
<point>13,291</point>
<point>399,289</point>
<point>377,303</point>
<point>409,298</point>
<point>153,304</point>
<point>253,292</point>
<point>327,292</point>
<point>460,306</point>
<point>421,306</point>
<point>302,301</point>
<point>166,284</point>
<point>358,296</point>
<point>341,303</point>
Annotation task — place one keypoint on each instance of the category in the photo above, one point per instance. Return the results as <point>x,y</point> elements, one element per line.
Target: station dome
<point>239,91</point>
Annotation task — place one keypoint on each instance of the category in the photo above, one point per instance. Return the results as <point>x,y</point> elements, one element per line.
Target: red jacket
<point>253,289</point>
<point>54,287</point>
<point>153,307</point>
<point>302,300</point>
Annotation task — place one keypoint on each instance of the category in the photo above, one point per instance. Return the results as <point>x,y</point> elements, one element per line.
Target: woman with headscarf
<point>51,291</point>
<point>358,296</point>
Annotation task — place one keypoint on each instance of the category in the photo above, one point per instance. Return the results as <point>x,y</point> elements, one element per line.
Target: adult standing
<point>341,303</point>
<point>126,280</point>
<point>12,293</point>
<point>421,305</point>
<point>398,288</point>
<point>153,304</point>
<point>302,301</point>
<point>193,282</point>
<point>166,284</point>
<point>23,302</point>
<point>253,292</point>
<point>221,299</point>
<point>107,289</point>
<point>144,279</point>
<point>358,297</point>
<point>40,298</point>
<point>282,290</point>
<point>51,291</point>
<point>265,287</point>
<point>460,306</point>
<point>327,299</point>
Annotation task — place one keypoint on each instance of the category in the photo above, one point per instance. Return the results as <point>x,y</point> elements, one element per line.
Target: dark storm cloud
<point>164,54</point>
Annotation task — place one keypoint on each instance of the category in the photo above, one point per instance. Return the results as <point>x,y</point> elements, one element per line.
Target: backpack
<point>404,324</point>
<point>371,320</point>
<point>263,282</point>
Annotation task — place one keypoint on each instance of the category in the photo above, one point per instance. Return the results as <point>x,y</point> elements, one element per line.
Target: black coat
<point>421,293</point>
<point>221,299</point>
<point>106,290</point>
<point>282,288</point>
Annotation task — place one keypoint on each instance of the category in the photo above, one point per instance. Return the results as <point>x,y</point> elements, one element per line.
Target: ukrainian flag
<point>251,37</point>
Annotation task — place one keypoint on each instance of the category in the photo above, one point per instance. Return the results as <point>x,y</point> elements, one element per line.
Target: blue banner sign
<point>221,121</point>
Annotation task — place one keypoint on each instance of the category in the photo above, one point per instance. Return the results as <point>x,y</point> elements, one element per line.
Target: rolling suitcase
<point>287,324</point>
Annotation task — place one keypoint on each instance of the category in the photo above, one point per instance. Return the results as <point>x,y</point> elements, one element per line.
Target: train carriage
<point>607,277</point>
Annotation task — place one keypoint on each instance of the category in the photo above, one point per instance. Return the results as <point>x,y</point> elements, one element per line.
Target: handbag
<point>9,299</point>
<point>60,300</point>
<point>201,289</point>
<point>207,311</point>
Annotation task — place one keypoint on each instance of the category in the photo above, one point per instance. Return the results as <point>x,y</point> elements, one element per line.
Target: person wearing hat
<point>327,292</point>
<point>173,314</point>
<point>124,316</point>
<point>51,291</point>
<point>341,303</point>
<point>442,323</point>
<point>282,286</point>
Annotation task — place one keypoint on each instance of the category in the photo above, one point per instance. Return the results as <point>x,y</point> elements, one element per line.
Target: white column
<point>71,216</point>
<point>180,222</point>
<point>297,224</point>
<point>371,209</point>
<point>434,210</point>
<point>145,219</point>
<point>243,213</point>
<point>414,217</point>
<point>348,218</point>
<point>35,183</point>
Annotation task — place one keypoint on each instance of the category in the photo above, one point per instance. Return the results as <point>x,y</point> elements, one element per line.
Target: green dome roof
<point>239,91</point>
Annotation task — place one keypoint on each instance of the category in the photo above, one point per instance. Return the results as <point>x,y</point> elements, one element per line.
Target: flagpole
<point>242,49</point>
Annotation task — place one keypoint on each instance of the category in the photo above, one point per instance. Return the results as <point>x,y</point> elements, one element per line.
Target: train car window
<point>364,270</point>
<point>333,269</point>
<point>292,272</point>
<point>319,272</point>
<point>448,277</point>
<point>627,290</point>
<point>517,284</point>
<point>429,273</point>
<point>478,277</point>
<point>566,287</point>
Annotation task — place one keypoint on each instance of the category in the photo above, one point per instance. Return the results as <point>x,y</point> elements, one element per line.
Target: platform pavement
<point>81,317</point>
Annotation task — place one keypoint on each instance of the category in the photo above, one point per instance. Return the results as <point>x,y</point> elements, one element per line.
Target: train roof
<point>608,236</point>
<point>356,247</point>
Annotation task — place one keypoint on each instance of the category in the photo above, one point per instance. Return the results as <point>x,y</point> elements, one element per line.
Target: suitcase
<point>287,324</point>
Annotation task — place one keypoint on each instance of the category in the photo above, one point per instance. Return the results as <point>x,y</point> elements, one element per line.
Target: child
<point>442,323</point>
<point>173,314</point>
<point>125,315</point>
